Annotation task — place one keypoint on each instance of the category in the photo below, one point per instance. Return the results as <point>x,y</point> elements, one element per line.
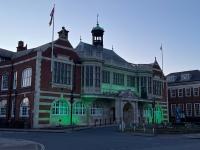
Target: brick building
<point>86,85</point>
<point>183,96</point>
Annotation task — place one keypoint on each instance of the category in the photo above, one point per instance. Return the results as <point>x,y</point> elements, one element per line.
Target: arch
<point>24,107</point>
<point>128,114</point>
<point>158,114</point>
<point>59,113</point>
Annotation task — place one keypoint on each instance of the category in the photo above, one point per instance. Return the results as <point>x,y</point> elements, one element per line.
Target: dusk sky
<point>135,28</point>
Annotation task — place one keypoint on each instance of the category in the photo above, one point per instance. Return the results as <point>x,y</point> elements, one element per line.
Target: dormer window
<point>185,77</point>
<point>171,78</point>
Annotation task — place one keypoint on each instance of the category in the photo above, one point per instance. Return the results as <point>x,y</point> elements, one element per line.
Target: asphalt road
<point>106,139</point>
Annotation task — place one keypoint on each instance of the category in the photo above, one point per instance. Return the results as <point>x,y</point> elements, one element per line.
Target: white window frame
<point>187,110</point>
<point>180,95</point>
<point>26,77</point>
<point>24,105</point>
<point>60,107</point>
<point>186,94</point>
<point>196,91</point>
<point>79,108</point>
<point>2,81</point>
<point>15,80</point>
<point>172,94</point>
<point>195,114</point>
<point>96,110</point>
<point>173,111</point>
<point>3,105</point>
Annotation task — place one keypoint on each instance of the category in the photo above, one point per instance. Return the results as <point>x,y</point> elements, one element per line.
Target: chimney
<point>21,46</point>
<point>63,34</point>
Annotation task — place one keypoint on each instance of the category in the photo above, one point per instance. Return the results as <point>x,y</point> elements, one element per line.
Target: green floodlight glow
<point>158,114</point>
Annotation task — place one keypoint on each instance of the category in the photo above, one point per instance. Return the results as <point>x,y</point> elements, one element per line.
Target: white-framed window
<point>197,109</point>
<point>4,81</point>
<point>62,73</point>
<point>15,80</point>
<point>173,109</point>
<point>188,92</point>
<point>173,93</point>
<point>60,107</point>
<point>105,76</point>
<point>189,109</point>
<point>26,77</point>
<point>181,107</point>
<point>97,109</point>
<point>180,92</point>
<point>171,78</point>
<point>79,108</point>
<point>13,108</point>
<point>3,105</point>
<point>24,108</point>
<point>185,77</point>
<point>196,91</point>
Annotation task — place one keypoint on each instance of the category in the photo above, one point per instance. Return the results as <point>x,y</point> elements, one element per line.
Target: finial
<point>155,59</point>
<point>112,47</point>
<point>97,19</point>
<point>80,39</point>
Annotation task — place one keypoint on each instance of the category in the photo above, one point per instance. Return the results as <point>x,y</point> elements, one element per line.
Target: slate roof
<point>107,54</point>
<point>195,76</point>
<point>6,53</point>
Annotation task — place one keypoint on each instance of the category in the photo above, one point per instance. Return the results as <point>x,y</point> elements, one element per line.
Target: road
<point>105,139</point>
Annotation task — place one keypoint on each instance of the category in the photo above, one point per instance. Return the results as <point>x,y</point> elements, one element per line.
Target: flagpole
<point>162,55</point>
<point>52,43</point>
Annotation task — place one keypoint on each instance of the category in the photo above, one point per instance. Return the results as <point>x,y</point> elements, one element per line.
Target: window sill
<point>61,85</point>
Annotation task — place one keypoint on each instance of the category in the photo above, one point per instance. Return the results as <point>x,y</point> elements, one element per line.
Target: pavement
<point>19,144</point>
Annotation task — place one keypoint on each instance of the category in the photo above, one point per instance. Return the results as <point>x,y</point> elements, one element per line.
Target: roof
<point>194,76</point>
<point>97,28</point>
<point>6,53</point>
<point>109,56</point>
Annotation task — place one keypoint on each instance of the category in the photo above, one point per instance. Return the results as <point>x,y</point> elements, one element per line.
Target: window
<point>96,110</point>
<point>97,76</point>
<point>60,107</point>
<point>24,108</point>
<point>26,77</point>
<point>15,80</point>
<point>171,78</point>
<point>157,88</point>
<point>4,81</point>
<point>173,109</point>
<point>188,92</point>
<point>130,81</point>
<point>197,109</point>
<point>106,76</point>
<point>89,76</point>
<point>196,91</point>
<point>118,79</point>
<point>185,77</point>
<point>181,107</point>
<point>173,93</point>
<point>62,73</point>
<point>13,108</point>
<point>150,84</point>
<point>188,109</point>
<point>3,105</point>
<point>79,108</point>
<point>180,92</point>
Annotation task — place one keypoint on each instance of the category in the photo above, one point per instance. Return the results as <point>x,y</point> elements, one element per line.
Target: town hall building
<point>86,85</point>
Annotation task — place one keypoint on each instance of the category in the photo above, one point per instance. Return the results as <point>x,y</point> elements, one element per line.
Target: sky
<point>135,28</point>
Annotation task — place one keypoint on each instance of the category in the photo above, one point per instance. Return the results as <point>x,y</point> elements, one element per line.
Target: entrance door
<point>128,114</point>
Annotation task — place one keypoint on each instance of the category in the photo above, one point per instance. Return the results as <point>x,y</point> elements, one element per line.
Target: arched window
<point>26,77</point>
<point>3,104</point>
<point>4,81</point>
<point>60,107</point>
<point>79,108</point>
<point>97,109</point>
<point>24,108</point>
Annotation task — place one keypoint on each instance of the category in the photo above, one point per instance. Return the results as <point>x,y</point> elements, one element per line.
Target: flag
<point>161,47</point>
<point>51,15</point>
